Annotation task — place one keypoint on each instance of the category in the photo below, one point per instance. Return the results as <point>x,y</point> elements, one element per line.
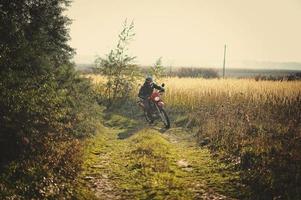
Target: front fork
<point>158,109</point>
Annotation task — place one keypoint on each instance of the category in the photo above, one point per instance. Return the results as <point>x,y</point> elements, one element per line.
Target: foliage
<point>290,77</point>
<point>118,67</point>
<point>41,119</point>
<point>256,123</point>
<point>158,70</point>
<point>34,35</point>
<point>45,106</point>
<point>194,72</point>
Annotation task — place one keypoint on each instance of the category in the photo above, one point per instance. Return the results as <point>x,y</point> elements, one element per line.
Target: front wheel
<point>164,118</point>
<point>148,118</point>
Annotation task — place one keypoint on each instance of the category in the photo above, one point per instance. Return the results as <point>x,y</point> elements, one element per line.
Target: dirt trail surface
<point>142,162</point>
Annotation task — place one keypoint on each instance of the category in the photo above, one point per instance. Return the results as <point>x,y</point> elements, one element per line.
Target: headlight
<point>157,98</point>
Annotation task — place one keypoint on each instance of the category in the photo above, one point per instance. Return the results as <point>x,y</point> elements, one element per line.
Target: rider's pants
<point>147,107</point>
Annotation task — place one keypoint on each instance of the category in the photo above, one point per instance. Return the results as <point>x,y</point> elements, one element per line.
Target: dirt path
<point>140,162</point>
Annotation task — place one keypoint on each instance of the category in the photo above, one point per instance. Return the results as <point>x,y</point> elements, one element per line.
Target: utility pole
<point>224,63</point>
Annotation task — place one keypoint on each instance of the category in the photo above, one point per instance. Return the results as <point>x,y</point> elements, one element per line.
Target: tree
<point>45,106</point>
<point>34,35</point>
<point>158,70</point>
<point>119,67</point>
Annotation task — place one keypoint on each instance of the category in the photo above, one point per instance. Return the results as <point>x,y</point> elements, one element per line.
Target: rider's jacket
<point>147,89</point>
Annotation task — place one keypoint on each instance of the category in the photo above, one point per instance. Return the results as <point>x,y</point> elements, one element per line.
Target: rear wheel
<point>164,118</point>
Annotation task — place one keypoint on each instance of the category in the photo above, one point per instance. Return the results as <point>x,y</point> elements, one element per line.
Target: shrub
<point>119,69</point>
<point>45,107</point>
<point>194,72</point>
<point>42,119</point>
<point>158,70</point>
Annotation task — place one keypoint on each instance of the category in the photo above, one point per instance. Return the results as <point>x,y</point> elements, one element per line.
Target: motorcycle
<point>156,109</point>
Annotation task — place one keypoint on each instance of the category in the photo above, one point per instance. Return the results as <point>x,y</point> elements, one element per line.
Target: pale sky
<point>189,32</point>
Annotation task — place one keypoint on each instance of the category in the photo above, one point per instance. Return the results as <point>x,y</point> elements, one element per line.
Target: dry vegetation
<point>255,123</point>
<point>192,93</point>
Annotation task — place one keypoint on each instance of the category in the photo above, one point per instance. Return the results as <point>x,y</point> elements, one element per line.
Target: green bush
<point>42,120</point>
<point>45,106</point>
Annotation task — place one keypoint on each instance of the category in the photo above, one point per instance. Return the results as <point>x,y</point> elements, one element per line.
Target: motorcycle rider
<point>146,91</point>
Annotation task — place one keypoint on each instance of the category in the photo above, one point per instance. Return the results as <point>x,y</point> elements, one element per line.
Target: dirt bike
<point>156,109</point>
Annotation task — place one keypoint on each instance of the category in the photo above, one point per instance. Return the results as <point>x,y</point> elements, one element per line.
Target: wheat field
<point>191,93</point>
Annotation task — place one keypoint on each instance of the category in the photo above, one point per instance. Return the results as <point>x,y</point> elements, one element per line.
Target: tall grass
<point>193,93</point>
<point>257,123</point>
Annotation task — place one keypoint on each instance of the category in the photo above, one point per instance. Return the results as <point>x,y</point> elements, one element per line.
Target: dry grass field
<point>257,124</point>
<point>192,93</point>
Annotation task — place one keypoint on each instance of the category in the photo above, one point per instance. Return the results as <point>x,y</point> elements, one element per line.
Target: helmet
<point>149,79</point>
